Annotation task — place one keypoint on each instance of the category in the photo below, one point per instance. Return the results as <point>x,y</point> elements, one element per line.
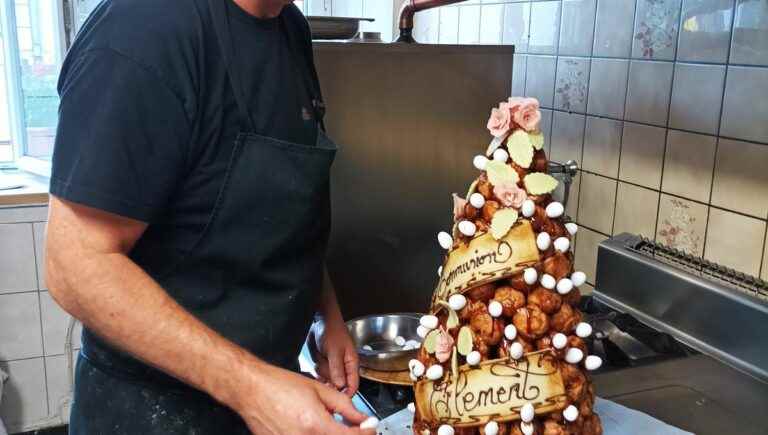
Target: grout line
<point>21,292</point>
<point>763,265</point>
<point>656,125</point>
<point>661,184</point>
<point>594,230</point>
<point>667,125</point>
<point>618,172</point>
<point>674,195</point>
<point>717,140</point>
<point>40,318</point>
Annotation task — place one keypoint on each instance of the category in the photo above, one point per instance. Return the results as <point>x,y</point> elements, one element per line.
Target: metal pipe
<point>409,9</point>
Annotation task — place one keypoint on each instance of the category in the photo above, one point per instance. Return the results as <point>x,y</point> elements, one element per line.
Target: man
<point>189,218</point>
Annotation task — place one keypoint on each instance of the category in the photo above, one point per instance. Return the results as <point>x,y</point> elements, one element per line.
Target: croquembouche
<point>504,349</point>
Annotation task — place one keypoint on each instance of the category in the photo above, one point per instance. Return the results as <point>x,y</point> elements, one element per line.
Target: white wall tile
<point>491,17</point>
<point>602,145</point>
<point>688,165</point>
<point>39,229</point>
<point>18,271</point>
<point>577,27</point>
<point>587,242</point>
<point>741,177</point>
<point>545,27</point>
<point>614,28</point>
<point>656,25</point>
<point>745,110</point>
<point>636,209</point>
<point>469,25</point>
<point>449,25</point>
<point>706,31</point>
<point>20,334</point>
<point>567,137</point>
<point>741,253</point>
<point>650,86</point>
<point>540,79</point>
<point>642,154</point>
<point>24,396</point>
<point>426,26</point>
<point>384,13</point>
<point>750,33</point>
<point>546,128</point>
<point>347,8</point>
<point>517,19</point>
<point>519,65</point>
<point>697,95</point>
<point>571,84</point>
<point>55,323</point>
<point>58,383</point>
<point>607,87</point>
<point>10,215</point>
<point>597,198</point>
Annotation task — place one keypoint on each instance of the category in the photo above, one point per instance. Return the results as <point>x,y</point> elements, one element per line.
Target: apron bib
<point>254,275</point>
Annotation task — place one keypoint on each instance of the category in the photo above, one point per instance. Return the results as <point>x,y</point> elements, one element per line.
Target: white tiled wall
<point>32,327</point>
<point>662,102</point>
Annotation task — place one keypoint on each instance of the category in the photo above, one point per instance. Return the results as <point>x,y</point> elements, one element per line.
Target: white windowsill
<point>34,188</point>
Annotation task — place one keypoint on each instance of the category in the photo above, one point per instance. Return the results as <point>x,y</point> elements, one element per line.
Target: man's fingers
<point>351,367</point>
<point>338,403</point>
<point>336,365</point>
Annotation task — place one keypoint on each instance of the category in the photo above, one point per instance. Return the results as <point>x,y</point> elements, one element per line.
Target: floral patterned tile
<point>682,224</point>
<point>656,26</point>
<point>571,84</point>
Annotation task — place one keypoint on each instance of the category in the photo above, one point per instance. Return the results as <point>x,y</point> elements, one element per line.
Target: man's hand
<point>280,402</point>
<point>337,362</point>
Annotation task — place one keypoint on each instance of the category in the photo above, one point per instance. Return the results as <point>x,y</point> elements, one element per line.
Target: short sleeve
<point>122,140</point>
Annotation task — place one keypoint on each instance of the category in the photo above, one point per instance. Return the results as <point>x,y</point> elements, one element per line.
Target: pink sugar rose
<point>525,112</point>
<point>500,120</point>
<point>510,195</point>
<point>443,346</point>
<point>458,207</point>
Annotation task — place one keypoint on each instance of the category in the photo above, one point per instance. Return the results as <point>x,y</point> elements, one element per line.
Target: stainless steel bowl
<point>334,27</point>
<point>379,332</point>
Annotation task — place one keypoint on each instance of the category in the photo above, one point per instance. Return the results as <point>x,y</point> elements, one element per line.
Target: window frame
<point>12,71</point>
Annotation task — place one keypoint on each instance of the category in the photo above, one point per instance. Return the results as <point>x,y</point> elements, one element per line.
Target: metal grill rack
<point>698,266</point>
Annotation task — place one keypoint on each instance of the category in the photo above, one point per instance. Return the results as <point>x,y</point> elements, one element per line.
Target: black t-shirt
<point>148,118</point>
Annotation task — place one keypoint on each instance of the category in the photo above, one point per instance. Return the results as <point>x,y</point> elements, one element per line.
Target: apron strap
<point>310,82</point>
<point>223,33</point>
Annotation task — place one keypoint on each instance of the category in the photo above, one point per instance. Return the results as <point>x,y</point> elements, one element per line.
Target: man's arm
<point>91,277</point>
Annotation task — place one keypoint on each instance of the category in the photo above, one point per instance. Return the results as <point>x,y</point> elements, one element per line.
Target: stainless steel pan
<point>335,27</point>
<point>379,332</point>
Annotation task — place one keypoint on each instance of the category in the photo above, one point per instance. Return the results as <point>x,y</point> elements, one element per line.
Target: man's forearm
<point>116,299</point>
<point>329,305</point>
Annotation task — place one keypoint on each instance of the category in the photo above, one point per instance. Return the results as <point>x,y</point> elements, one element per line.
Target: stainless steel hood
<point>409,118</point>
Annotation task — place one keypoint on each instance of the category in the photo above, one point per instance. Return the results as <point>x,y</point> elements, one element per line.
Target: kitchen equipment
<point>713,309</point>
<point>409,119</point>
<point>323,27</point>
<point>564,173</point>
<point>378,332</point>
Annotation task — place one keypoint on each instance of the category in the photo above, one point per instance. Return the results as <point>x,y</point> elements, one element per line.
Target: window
<point>32,51</point>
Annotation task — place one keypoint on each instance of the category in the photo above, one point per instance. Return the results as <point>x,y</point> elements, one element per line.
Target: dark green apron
<point>254,275</point>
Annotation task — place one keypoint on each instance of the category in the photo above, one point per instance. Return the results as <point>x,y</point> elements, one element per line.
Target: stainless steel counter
<point>697,394</point>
